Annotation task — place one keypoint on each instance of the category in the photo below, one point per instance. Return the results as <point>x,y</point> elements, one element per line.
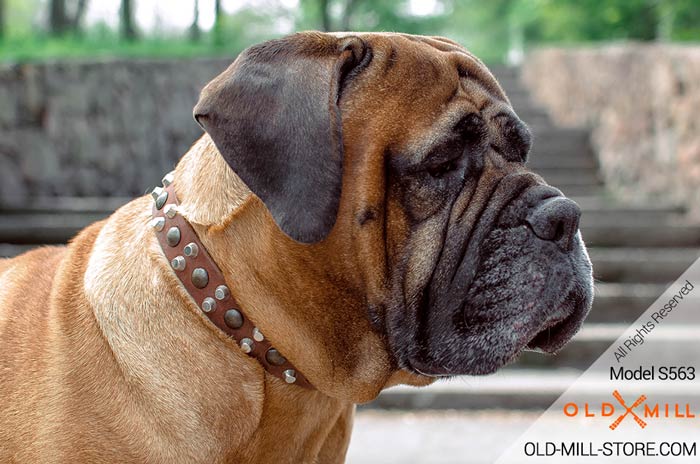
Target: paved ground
<point>444,437</point>
<point>481,437</point>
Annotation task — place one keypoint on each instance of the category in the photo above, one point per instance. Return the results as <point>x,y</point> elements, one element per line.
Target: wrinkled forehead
<point>431,58</point>
<point>419,88</point>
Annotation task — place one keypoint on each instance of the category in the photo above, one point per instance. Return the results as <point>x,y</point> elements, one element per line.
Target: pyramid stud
<point>160,196</point>
<point>191,250</point>
<point>209,304</point>
<point>247,345</point>
<point>257,335</point>
<point>168,179</point>
<point>173,236</point>
<point>290,376</point>
<point>170,210</point>
<point>200,277</point>
<point>158,223</point>
<point>178,263</point>
<point>156,192</point>
<point>222,292</point>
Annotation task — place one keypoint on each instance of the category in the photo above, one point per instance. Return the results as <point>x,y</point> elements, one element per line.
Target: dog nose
<point>555,219</point>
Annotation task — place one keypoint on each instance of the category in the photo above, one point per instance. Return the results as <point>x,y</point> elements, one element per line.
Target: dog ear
<point>274,116</point>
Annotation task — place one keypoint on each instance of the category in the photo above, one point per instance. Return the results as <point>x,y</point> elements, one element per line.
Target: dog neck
<point>201,278</point>
<point>210,192</point>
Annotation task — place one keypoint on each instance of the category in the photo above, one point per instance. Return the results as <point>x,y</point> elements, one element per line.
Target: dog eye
<point>441,170</point>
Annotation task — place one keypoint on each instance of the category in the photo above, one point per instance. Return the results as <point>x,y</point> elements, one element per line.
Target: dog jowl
<point>411,156</point>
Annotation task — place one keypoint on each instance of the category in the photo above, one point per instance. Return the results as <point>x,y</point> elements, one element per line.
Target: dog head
<point>399,160</point>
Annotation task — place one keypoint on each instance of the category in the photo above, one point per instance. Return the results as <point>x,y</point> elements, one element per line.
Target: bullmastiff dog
<point>366,200</point>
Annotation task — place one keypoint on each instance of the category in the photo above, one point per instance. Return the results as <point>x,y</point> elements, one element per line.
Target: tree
<point>195,32</point>
<point>126,20</point>
<point>60,19</point>
<point>77,19</point>
<point>2,19</point>
<point>218,24</point>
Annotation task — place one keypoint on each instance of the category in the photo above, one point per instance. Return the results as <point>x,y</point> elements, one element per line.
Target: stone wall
<point>642,102</point>
<point>96,128</point>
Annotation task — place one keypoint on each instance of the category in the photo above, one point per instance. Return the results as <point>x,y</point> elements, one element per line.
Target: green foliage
<point>489,28</point>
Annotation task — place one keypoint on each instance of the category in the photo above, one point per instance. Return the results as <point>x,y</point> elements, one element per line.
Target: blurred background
<point>95,106</point>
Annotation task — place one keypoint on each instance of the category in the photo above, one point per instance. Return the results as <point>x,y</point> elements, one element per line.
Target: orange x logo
<point>628,410</point>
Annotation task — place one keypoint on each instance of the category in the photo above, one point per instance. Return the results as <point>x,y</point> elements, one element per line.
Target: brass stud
<point>222,292</point>
<point>290,376</point>
<point>178,263</point>
<point>209,304</point>
<point>173,236</point>
<point>170,210</point>
<point>233,318</point>
<point>200,277</point>
<point>191,250</point>
<point>168,179</point>
<point>158,223</point>
<point>274,357</point>
<point>257,335</point>
<point>247,345</point>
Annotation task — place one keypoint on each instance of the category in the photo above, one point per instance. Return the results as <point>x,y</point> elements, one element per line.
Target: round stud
<point>290,376</point>
<point>247,345</point>
<point>191,250</point>
<point>158,223</point>
<point>233,318</point>
<point>274,357</point>
<point>178,263</point>
<point>200,277</point>
<point>257,335</point>
<point>168,179</point>
<point>173,236</point>
<point>170,210</point>
<point>221,292</point>
<point>209,304</point>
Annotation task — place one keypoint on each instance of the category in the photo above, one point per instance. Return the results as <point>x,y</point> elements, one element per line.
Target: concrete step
<point>556,177</point>
<point>521,389</point>
<point>560,142</point>
<point>603,203</point>
<point>436,437</point>
<point>538,161</point>
<point>504,71</point>
<point>509,388</point>
<point>641,235</point>
<point>8,250</point>
<point>650,265</point>
<point>592,341</point>
<point>599,229</point>
<point>581,190</point>
<point>102,205</point>
<point>44,228</point>
<point>640,215</point>
<point>622,302</point>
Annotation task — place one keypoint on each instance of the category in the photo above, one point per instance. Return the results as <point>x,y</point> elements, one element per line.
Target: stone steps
<point>636,251</point>
<point>650,265</point>
<point>603,229</point>
<point>510,388</point>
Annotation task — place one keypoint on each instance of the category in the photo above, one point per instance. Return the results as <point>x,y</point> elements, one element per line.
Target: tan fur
<point>104,358</point>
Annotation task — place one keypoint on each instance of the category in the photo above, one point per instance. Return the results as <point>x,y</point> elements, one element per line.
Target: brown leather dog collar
<point>205,283</point>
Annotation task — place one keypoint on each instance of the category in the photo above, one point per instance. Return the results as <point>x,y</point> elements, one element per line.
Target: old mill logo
<point>639,411</point>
